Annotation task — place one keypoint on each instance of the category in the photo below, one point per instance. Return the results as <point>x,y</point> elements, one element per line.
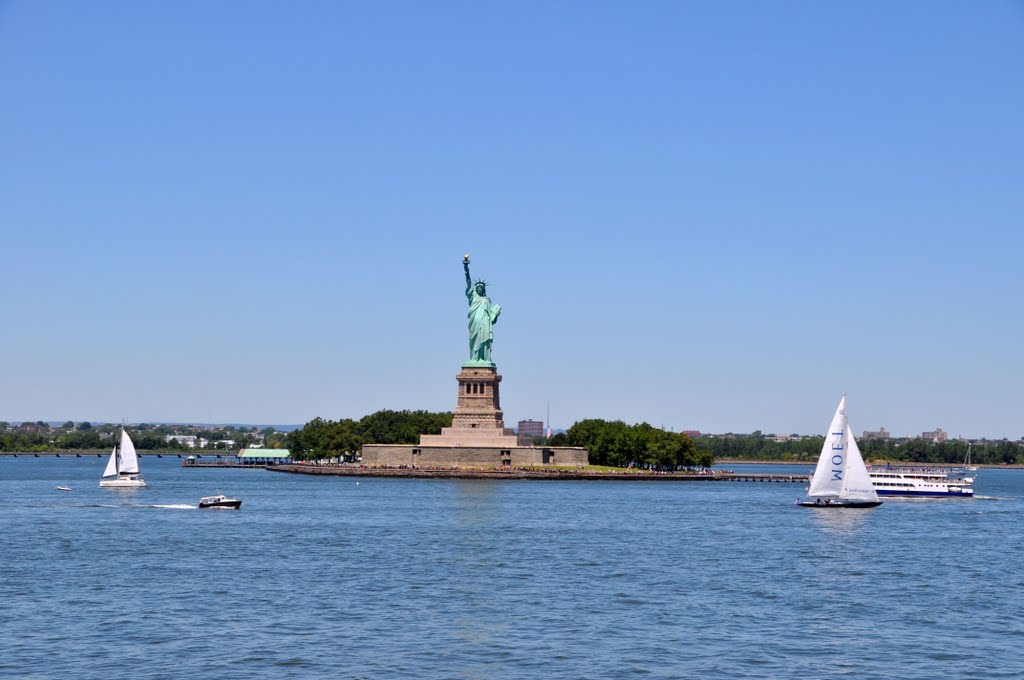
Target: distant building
<point>882,433</point>
<point>188,440</point>
<point>692,434</point>
<point>264,456</point>
<point>528,431</point>
<point>938,435</point>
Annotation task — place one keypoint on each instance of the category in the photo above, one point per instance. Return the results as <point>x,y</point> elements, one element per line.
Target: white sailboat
<point>123,466</point>
<point>967,461</point>
<point>841,480</point>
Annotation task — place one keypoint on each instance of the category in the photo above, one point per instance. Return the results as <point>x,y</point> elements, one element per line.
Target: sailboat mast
<point>547,432</point>
<point>118,449</point>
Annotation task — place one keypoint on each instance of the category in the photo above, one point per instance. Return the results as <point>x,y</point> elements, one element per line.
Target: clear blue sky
<point>718,216</point>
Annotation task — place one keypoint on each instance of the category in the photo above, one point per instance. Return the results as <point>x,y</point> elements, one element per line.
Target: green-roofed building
<point>264,456</point>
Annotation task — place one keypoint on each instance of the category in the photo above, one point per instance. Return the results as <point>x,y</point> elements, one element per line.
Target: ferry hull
<point>910,493</point>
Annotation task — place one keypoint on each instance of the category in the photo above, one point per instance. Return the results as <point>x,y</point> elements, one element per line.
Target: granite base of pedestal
<point>472,456</point>
<point>453,437</point>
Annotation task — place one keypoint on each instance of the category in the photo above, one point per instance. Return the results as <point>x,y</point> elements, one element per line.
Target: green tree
<point>617,444</point>
<point>321,438</point>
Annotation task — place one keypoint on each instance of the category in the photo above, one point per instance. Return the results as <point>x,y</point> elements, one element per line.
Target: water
<point>324,577</point>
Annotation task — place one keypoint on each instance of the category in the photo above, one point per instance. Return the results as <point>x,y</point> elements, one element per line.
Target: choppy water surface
<point>474,579</point>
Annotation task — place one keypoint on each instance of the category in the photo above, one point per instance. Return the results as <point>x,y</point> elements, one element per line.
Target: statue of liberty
<point>482,317</point>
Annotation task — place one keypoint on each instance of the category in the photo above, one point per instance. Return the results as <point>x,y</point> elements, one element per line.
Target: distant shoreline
<point>718,463</point>
<point>897,463</point>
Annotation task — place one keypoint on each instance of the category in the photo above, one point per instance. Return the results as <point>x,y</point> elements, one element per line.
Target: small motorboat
<point>220,501</point>
<point>63,488</point>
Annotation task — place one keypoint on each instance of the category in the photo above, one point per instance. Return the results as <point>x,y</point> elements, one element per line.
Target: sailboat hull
<point>126,482</point>
<point>840,504</point>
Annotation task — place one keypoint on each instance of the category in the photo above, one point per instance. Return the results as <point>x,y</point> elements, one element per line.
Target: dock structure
<point>195,463</point>
<point>246,458</point>
<point>536,474</point>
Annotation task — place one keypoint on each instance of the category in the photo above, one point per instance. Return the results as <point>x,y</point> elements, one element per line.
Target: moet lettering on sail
<point>837,458</point>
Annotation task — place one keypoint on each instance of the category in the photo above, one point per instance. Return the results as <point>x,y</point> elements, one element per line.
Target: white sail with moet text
<point>828,475</point>
<point>857,485</point>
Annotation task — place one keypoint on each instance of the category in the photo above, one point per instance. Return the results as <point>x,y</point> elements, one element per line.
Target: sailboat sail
<point>129,461</point>
<point>857,485</point>
<point>111,468</point>
<point>829,474</point>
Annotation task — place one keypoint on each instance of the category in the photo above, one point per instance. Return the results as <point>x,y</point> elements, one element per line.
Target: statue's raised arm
<point>465,268</point>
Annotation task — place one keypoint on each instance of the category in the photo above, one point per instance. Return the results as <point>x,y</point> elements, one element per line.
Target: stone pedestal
<point>477,436</point>
<point>478,420</point>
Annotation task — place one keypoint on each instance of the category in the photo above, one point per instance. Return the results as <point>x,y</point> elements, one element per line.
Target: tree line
<point>617,444</point>
<point>84,436</point>
<point>321,438</point>
<point>759,447</point>
<point>90,440</point>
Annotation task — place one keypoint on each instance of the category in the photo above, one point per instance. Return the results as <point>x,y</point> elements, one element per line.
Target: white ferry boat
<point>931,482</point>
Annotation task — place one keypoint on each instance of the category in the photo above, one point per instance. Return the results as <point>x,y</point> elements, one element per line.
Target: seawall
<point>536,474</point>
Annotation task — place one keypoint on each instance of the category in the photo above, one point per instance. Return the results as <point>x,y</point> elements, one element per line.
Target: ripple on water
<point>425,579</point>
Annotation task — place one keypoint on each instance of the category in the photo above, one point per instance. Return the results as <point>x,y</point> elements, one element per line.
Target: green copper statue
<point>482,317</point>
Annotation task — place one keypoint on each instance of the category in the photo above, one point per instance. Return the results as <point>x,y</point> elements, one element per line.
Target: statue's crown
<point>479,282</point>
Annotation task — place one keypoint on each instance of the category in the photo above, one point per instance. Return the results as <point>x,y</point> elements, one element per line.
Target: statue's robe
<point>482,316</point>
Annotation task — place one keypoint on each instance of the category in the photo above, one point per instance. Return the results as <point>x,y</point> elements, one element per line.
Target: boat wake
<point>171,506</point>
<point>72,505</point>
